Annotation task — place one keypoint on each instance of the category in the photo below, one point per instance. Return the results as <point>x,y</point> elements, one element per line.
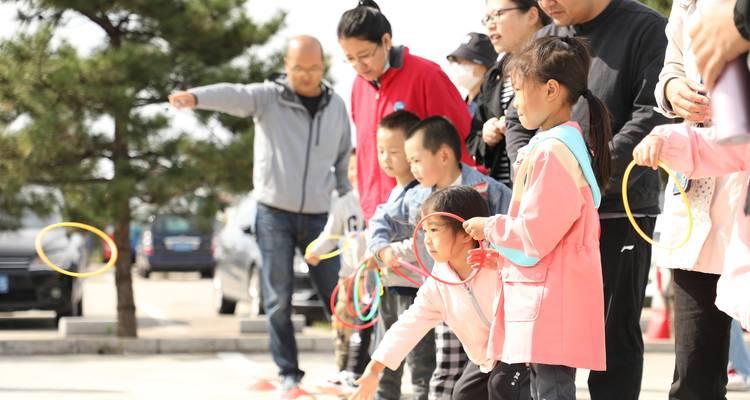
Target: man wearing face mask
<point>469,64</point>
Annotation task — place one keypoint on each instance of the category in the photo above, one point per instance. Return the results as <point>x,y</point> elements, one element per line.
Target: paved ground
<point>225,376</point>
<point>180,305</point>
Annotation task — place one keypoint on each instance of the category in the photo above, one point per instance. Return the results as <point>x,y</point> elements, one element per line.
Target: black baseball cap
<point>476,48</point>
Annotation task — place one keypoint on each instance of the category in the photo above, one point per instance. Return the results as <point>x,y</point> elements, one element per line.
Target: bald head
<point>305,64</point>
<point>304,44</point>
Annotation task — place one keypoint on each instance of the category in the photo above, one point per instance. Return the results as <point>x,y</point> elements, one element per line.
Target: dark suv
<point>172,243</point>
<point>26,283</point>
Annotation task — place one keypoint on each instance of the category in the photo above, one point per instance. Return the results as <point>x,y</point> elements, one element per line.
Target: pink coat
<point>689,151</point>
<point>551,313</point>
<point>468,317</point>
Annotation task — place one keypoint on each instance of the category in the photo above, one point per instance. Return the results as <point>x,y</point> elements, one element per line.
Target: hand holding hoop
<point>332,254</point>
<point>629,213</point>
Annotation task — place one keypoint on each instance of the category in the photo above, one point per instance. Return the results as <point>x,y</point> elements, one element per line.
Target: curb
<point>251,344</point>
<point>114,345</point>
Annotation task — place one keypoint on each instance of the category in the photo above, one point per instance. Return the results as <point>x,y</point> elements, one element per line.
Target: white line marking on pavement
<point>238,361</point>
<point>154,312</point>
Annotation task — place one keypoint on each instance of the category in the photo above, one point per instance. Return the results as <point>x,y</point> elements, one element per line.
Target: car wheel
<point>144,272</point>
<point>254,292</point>
<point>222,304</point>
<point>227,307</point>
<point>73,310</point>
<point>207,274</point>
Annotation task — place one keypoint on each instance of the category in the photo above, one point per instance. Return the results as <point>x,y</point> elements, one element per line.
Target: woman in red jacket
<point>390,79</point>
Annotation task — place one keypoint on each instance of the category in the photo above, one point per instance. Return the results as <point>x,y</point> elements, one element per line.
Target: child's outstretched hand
<point>312,259</point>
<point>367,385</point>
<point>389,257</point>
<point>483,258</point>
<point>648,152</point>
<point>475,227</point>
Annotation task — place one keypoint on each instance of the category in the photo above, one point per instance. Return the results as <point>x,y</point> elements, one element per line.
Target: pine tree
<point>96,125</point>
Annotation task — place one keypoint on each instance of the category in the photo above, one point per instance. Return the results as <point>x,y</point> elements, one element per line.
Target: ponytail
<point>364,22</point>
<point>600,134</point>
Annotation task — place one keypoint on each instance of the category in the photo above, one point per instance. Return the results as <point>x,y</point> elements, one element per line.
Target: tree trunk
<point>127,325</point>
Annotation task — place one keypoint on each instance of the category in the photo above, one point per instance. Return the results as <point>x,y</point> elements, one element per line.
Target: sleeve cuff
<point>675,146</point>
<point>664,106</point>
<point>489,227</point>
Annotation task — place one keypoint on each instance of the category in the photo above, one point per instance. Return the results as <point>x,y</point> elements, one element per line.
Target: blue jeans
<point>279,233</point>
<point>738,354</point>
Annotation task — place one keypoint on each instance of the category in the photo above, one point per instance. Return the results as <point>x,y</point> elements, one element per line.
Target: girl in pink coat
<point>550,311</point>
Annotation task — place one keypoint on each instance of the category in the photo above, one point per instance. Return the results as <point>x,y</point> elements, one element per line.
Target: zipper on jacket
<point>317,135</point>
<point>307,162</point>
<point>477,308</point>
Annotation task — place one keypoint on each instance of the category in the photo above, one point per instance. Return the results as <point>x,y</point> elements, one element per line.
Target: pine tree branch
<point>103,21</point>
<point>147,101</point>
<point>78,181</point>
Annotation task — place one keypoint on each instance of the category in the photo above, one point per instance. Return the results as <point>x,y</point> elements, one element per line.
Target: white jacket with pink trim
<point>466,309</point>
<point>689,151</point>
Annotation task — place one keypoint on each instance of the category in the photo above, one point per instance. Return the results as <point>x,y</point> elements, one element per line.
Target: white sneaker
<point>737,382</point>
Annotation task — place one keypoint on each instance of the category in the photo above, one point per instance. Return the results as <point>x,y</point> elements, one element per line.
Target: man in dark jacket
<point>628,44</point>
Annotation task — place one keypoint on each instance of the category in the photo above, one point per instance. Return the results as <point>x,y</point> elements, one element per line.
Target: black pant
<point>359,351</point>
<point>701,339</point>
<point>507,382</point>
<point>626,259</point>
<point>472,385</point>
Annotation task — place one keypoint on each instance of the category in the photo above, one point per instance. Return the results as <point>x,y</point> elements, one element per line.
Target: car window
<point>29,219</point>
<point>176,225</point>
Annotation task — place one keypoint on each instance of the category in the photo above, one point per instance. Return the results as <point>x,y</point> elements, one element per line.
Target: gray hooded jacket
<point>296,157</point>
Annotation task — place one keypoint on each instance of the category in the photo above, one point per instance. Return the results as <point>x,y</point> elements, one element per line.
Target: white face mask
<point>463,75</point>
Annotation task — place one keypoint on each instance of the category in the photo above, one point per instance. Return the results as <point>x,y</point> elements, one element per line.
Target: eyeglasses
<point>312,70</point>
<point>363,59</point>
<point>494,15</point>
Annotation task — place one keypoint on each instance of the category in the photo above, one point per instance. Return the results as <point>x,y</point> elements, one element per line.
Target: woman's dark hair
<point>463,201</point>
<point>567,60</point>
<point>526,5</point>
<point>364,22</point>
<point>437,131</point>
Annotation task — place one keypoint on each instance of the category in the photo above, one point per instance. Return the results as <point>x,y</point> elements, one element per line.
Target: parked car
<point>238,264</point>
<point>175,243</point>
<point>26,283</point>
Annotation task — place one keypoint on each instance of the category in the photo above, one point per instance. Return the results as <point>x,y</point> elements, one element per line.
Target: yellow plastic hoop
<point>630,213</point>
<point>332,254</point>
<point>108,240</point>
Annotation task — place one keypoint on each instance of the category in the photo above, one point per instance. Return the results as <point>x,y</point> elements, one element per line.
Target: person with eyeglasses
<point>628,44</point>
<point>510,25</point>
<point>390,78</point>
<point>301,154</point>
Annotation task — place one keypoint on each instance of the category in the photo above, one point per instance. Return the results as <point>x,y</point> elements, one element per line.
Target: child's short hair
<point>438,131</point>
<point>400,120</point>
<point>463,201</point>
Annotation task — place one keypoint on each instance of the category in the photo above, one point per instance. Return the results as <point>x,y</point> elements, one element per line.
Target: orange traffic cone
<point>262,385</point>
<point>658,325</point>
